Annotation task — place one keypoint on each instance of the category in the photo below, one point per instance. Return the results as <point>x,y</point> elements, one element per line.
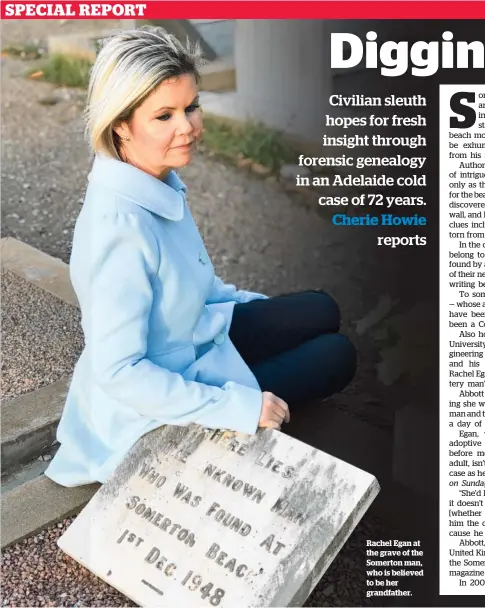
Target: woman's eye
<point>188,110</point>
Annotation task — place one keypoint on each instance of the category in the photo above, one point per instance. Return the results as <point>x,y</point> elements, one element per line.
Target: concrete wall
<point>275,61</point>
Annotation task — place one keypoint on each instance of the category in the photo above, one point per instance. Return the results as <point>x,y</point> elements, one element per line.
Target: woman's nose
<point>184,126</point>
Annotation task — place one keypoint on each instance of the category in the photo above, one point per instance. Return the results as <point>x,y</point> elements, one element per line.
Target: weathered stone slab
<point>196,517</point>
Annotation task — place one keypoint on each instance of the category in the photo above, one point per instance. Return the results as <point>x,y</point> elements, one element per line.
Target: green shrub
<point>250,140</point>
<point>65,71</point>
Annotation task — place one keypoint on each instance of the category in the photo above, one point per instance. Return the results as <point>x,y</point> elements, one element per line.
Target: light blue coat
<point>155,320</point>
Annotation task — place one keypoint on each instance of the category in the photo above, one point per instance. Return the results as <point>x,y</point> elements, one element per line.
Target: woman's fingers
<point>283,408</point>
<point>274,411</point>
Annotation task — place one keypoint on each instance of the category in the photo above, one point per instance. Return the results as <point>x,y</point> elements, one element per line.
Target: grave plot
<point>195,517</point>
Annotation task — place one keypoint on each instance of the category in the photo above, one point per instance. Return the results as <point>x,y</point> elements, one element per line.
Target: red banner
<point>202,9</point>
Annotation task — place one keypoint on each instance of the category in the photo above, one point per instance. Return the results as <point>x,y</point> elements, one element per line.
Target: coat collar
<point>165,198</point>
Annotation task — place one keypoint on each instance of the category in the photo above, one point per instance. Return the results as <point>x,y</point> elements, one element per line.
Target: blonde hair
<point>129,66</point>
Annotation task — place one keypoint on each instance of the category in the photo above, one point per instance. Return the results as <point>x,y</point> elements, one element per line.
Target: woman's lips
<point>184,146</point>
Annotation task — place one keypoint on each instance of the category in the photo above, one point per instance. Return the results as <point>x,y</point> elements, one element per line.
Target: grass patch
<point>64,71</point>
<point>22,51</point>
<point>248,144</point>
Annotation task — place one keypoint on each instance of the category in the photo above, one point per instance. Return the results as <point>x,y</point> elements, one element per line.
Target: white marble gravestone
<point>197,517</point>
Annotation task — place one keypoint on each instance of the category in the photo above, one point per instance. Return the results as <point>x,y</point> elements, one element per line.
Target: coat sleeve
<point>116,310</point>
<point>225,292</point>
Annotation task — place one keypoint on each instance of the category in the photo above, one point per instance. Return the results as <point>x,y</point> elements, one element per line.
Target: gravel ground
<point>37,573</point>
<point>258,239</point>
<point>41,337</point>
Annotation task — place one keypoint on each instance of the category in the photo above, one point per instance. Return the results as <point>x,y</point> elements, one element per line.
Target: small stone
<point>292,171</point>
<point>49,101</point>
<point>328,590</point>
<point>244,162</point>
<point>260,169</point>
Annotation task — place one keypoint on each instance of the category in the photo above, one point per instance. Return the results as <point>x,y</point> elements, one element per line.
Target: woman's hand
<point>274,412</point>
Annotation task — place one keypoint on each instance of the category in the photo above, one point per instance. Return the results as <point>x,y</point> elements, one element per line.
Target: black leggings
<point>293,346</point>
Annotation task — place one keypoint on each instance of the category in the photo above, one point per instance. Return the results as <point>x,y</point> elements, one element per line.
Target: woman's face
<point>164,129</point>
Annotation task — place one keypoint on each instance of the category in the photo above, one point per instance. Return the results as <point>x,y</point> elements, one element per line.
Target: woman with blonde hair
<point>166,340</point>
